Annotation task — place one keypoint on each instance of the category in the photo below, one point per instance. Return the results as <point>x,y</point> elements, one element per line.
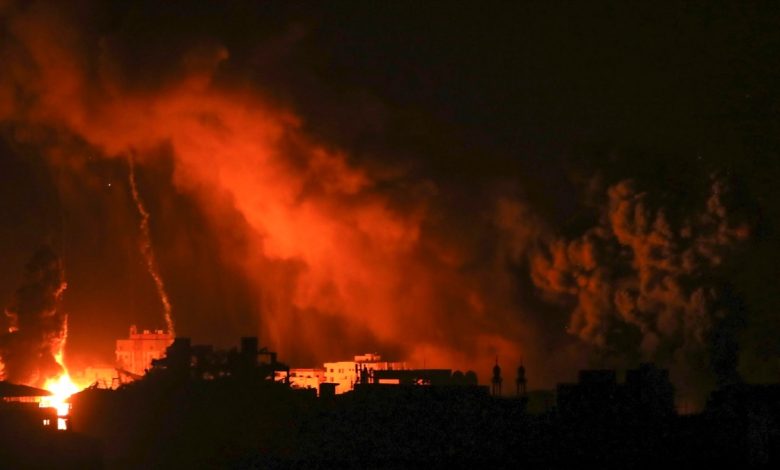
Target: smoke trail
<point>147,251</point>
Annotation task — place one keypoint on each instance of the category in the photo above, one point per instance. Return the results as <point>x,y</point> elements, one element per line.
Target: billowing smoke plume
<point>148,251</point>
<point>352,236</point>
<point>648,279</point>
<point>36,328</point>
<point>341,257</point>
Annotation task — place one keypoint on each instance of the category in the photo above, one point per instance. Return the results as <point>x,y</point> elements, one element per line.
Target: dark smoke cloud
<point>648,279</point>
<point>406,179</point>
<point>35,327</point>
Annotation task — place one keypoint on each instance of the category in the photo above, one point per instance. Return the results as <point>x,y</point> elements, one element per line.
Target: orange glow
<point>321,239</point>
<point>61,387</point>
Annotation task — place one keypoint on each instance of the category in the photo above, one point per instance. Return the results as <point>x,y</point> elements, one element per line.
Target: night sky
<point>580,185</point>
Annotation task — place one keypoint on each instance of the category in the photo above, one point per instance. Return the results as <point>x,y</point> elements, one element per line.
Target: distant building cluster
<point>344,374</point>
<point>582,418</point>
<point>150,349</point>
<point>369,369</point>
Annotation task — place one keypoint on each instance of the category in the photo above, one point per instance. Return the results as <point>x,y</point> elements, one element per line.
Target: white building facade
<point>347,373</point>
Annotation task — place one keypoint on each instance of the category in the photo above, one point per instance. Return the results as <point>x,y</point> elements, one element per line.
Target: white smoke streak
<point>147,251</point>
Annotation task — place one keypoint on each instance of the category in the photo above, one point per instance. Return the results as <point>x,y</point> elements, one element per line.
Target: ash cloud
<point>35,327</point>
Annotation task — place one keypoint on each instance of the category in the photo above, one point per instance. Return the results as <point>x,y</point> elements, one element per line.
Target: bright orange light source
<point>61,388</point>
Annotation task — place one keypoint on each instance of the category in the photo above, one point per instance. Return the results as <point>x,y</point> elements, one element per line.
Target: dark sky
<point>452,111</point>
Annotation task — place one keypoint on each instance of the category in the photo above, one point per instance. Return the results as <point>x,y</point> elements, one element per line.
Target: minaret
<point>521,382</point>
<point>496,389</point>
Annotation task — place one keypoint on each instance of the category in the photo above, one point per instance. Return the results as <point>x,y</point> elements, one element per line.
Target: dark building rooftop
<point>8,390</point>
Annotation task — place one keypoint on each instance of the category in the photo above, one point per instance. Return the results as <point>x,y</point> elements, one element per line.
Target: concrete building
<point>347,373</point>
<point>136,353</point>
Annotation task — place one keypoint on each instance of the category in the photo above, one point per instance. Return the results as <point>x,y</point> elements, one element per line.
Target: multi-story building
<point>136,353</point>
<point>347,373</point>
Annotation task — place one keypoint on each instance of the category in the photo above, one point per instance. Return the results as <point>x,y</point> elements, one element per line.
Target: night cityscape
<point>266,234</point>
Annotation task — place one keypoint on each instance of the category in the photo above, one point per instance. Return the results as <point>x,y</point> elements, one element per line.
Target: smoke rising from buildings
<point>35,327</point>
<point>443,253</point>
<point>647,279</point>
<point>147,250</point>
<point>336,263</point>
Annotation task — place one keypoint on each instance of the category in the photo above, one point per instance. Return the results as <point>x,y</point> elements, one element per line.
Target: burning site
<point>264,231</point>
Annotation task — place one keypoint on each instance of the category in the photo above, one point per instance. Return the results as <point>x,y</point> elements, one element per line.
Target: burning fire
<point>61,388</point>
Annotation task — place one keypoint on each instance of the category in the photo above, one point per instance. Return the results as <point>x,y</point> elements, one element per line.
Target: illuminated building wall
<point>136,353</point>
<point>345,373</point>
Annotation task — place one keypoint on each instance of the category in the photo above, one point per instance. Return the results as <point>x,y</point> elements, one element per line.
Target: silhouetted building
<point>594,393</point>
<point>327,390</point>
<point>522,385</point>
<point>649,391</point>
<point>30,435</point>
<point>20,407</point>
<point>201,362</point>
<point>646,392</point>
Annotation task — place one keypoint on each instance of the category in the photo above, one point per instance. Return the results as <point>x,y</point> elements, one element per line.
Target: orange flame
<point>61,387</point>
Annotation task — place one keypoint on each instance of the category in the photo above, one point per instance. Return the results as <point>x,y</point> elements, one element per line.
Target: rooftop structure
<point>23,407</point>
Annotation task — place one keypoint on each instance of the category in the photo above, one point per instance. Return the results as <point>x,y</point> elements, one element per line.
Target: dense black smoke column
<point>147,251</point>
<point>649,280</point>
<point>36,329</point>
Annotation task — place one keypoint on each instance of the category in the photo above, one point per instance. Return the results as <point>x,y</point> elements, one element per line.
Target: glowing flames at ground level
<point>61,388</point>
